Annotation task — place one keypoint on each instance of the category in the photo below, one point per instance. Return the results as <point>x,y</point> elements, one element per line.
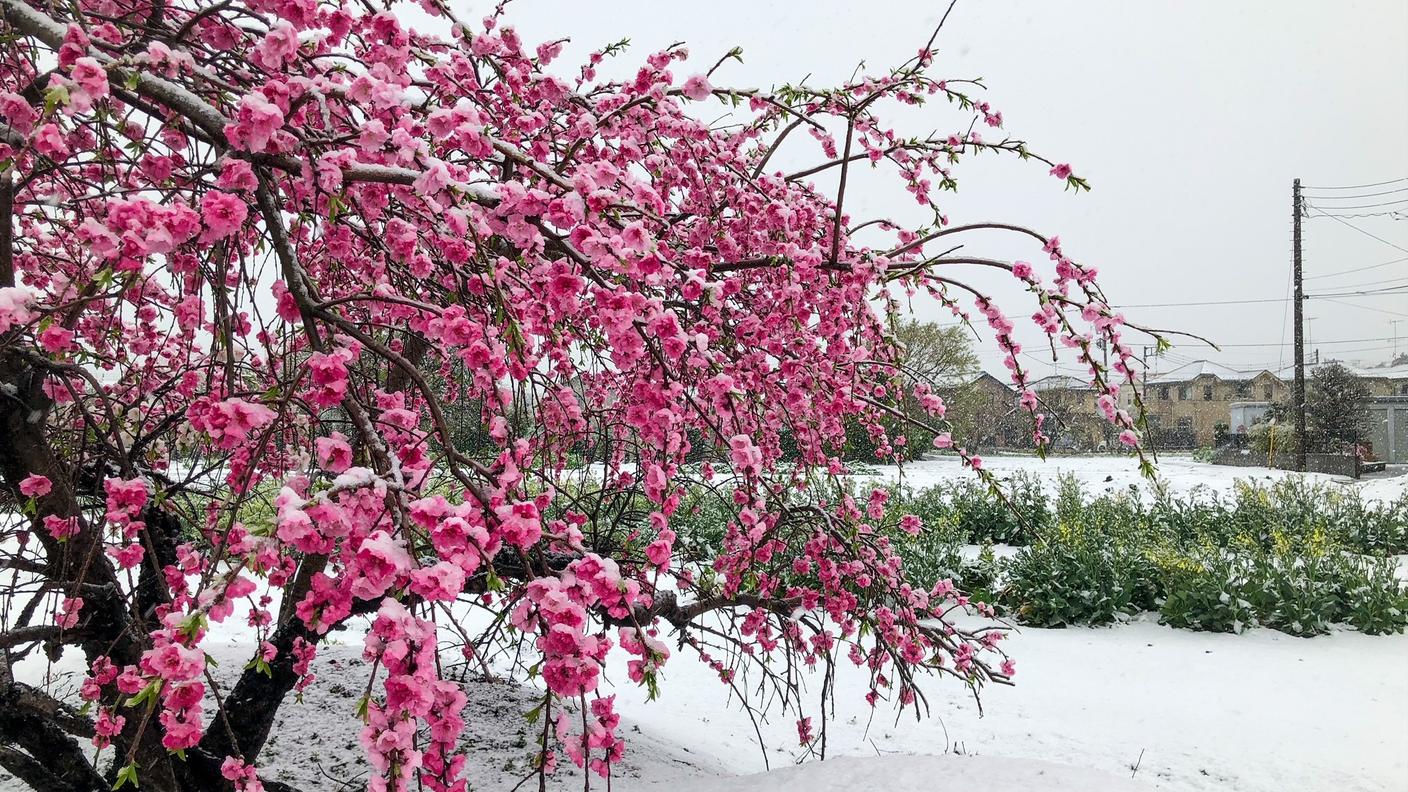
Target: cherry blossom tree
<point>257,257</point>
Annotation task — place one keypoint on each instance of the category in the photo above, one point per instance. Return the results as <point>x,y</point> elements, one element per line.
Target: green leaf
<point>55,96</point>
<point>147,694</point>
<point>127,774</point>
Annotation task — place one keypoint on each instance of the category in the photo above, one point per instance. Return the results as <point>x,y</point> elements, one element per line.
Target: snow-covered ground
<point>1109,474</point>
<point>920,774</point>
<point>1257,711</point>
<point>1193,712</point>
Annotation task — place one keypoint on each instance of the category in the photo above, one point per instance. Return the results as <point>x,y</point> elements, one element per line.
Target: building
<point>1073,418</point>
<point>1194,404</point>
<point>985,414</point>
<point>1388,412</point>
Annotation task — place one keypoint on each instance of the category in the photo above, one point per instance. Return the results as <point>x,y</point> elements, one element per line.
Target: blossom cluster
<point>336,317</point>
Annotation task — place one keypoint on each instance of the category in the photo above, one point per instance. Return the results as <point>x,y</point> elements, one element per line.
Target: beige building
<point>1196,403</point>
<point>1191,406</point>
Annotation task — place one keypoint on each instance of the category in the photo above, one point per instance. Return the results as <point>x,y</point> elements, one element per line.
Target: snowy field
<point>1257,712</point>
<point>1108,474</point>
<point>1132,707</point>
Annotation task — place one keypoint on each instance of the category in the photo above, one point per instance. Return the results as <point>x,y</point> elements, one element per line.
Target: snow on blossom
<point>15,302</point>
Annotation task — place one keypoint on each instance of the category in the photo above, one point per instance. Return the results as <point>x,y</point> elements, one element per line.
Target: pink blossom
<point>90,79</point>
<point>334,453</point>
<point>125,497</point>
<point>35,486</point>
<point>257,121</point>
<point>50,142</point>
<point>697,88</point>
<point>223,214</point>
<point>236,174</point>
<point>17,112</point>
<point>1062,171</point>
<point>69,611</point>
<point>443,581</point>
<point>56,339</point>
<point>520,523</point>
<point>60,528</point>
<point>277,46</point>
<point>128,556</point>
<point>746,457</point>
<point>804,730</point>
<point>381,561</point>
<point>14,306</point>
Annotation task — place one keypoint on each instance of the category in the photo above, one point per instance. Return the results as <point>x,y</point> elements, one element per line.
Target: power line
<point>1360,230</point>
<point>1393,290</point>
<point>1369,206</point>
<point>1203,302</point>
<point>1317,343</point>
<point>1365,307</point>
<point>1360,349</point>
<point>1360,195</point>
<point>1357,269</point>
<point>1359,186</point>
<point>1365,293</point>
<point>1265,364</point>
<point>1397,281</point>
<point>1397,213</point>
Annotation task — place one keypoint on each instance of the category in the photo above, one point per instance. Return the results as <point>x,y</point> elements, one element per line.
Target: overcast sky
<point>1190,119</point>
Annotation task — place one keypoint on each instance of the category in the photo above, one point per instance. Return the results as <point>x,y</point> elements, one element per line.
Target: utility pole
<point>1298,392</point>
<point>1393,325</point>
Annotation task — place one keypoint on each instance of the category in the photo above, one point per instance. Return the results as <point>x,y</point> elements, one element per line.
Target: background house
<point>1192,405</point>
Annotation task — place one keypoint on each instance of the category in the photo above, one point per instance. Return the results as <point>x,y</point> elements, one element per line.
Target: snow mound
<point>898,773</point>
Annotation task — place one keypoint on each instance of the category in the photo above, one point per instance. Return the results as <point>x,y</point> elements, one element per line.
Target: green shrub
<point>1205,594</point>
<point>1078,576</point>
<point>1374,600</point>
<point>1293,555</point>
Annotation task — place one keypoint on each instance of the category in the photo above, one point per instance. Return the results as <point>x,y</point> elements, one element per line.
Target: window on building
<point>1266,393</point>
<point>1183,393</point>
<point>1185,423</point>
<point>1244,390</point>
<point>1163,393</point>
<point>1403,389</point>
<point>1207,393</point>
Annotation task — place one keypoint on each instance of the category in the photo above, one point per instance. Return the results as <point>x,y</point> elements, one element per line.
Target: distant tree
<point>1336,410</point>
<point>935,356</point>
<point>941,355</point>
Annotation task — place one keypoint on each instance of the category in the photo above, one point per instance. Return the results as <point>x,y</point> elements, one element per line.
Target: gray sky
<point>1189,118</point>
